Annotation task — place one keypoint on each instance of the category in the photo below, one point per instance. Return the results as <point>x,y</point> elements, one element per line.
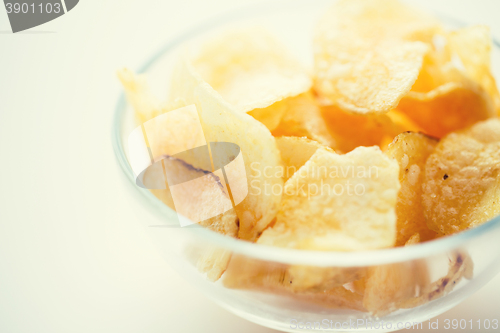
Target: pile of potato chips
<point>391,140</point>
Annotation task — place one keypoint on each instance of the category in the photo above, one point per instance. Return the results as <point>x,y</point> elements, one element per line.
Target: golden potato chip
<point>213,262</point>
<point>473,47</point>
<point>450,107</point>
<point>338,203</point>
<point>460,265</point>
<point>414,239</point>
<point>387,286</point>
<point>272,115</point>
<point>438,68</point>
<point>178,133</point>
<point>302,117</point>
<point>411,151</point>
<point>354,130</point>
<point>311,278</point>
<point>252,274</point>
<point>462,179</point>
<point>139,95</point>
<point>295,152</point>
<point>368,54</point>
<point>335,298</point>
<point>402,122</point>
<point>221,123</point>
<point>358,286</point>
<point>250,69</point>
<point>209,185</point>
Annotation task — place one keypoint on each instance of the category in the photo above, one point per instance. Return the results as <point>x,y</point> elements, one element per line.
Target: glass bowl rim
<point>277,254</point>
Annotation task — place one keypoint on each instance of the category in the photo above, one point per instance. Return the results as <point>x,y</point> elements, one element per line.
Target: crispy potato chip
<point>373,82</point>
<point>303,118</point>
<point>221,123</point>
<point>145,104</point>
<point>402,122</point>
<point>311,278</point>
<point>178,133</point>
<point>387,286</point>
<point>354,130</point>
<point>211,186</point>
<point>473,47</point>
<point>213,262</point>
<point>251,274</point>
<point>414,239</point>
<point>168,135</point>
<point>295,152</point>
<point>411,151</point>
<point>368,54</point>
<point>250,69</point>
<point>336,298</point>
<point>272,115</point>
<point>450,95</point>
<point>338,202</point>
<point>450,107</point>
<point>438,67</point>
<point>462,179</point>
<point>460,265</point>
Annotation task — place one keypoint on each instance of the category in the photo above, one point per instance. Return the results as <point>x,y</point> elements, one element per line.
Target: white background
<point>72,256</point>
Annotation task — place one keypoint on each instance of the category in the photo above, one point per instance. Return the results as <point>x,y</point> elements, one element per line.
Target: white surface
<point>72,256</point>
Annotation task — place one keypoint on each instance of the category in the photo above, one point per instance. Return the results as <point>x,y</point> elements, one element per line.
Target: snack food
<point>411,150</point>
<point>390,141</point>
<point>462,184</point>
<point>318,213</point>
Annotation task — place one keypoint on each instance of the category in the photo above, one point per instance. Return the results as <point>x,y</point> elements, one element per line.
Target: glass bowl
<point>255,288</point>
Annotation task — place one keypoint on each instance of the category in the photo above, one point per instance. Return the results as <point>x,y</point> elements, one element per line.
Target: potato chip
<point>250,69</point>
<point>139,95</point>
<point>211,186</point>
<point>213,262</point>
<point>178,133</point>
<point>353,130</point>
<point>414,239</point>
<point>438,67</point>
<point>295,152</point>
<point>450,107</point>
<point>272,115</point>
<point>221,123</point>
<point>247,273</point>
<point>411,151</point>
<point>368,54</point>
<point>338,202</point>
<point>252,274</point>
<point>311,278</point>
<point>358,286</point>
<point>387,286</point>
<point>335,298</point>
<point>462,181</point>
<point>450,95</point>
<point>473,47</point>
<point>460,266</point>
<point>303,118</point>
